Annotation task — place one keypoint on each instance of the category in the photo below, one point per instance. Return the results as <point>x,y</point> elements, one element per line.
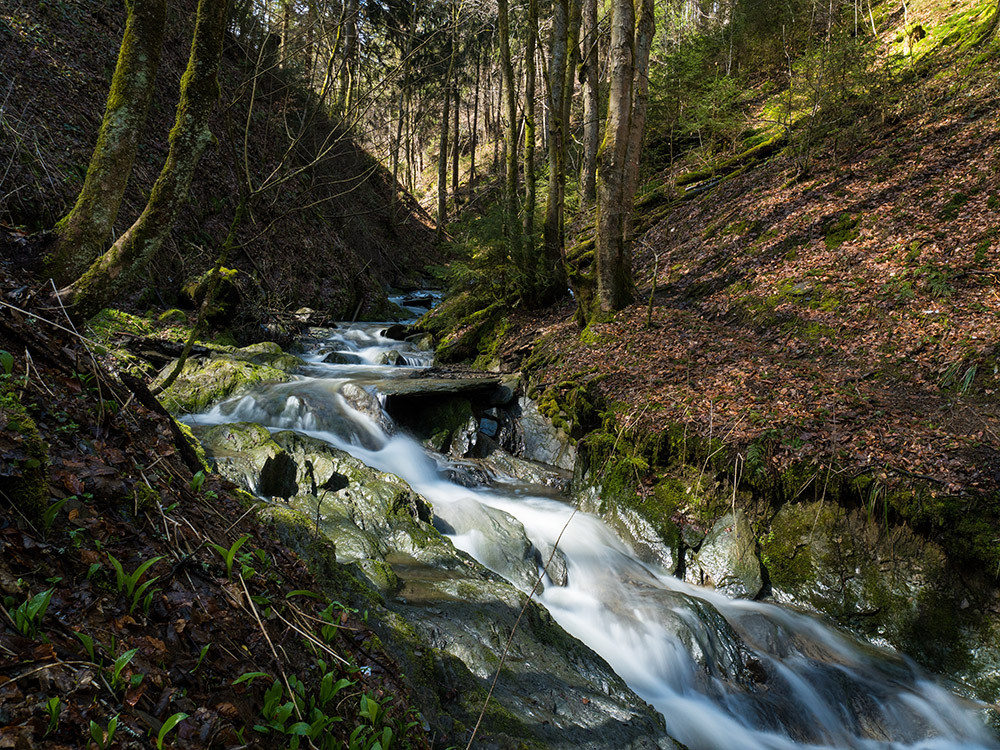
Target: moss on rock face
<point>205,381</point>
<point>24,457</point>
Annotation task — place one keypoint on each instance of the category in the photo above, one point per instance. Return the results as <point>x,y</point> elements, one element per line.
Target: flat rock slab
<point>437,386</point>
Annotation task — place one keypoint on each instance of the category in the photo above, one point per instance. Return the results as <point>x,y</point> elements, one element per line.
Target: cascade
<point>724,673</point>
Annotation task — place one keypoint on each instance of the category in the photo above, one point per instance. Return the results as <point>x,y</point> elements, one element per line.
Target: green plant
<point>127,582</point>
<point>52,707</point>
<point>309,708</point>
<point>169,724</point>
<point>118,667</point>
<point>88,645</point>
<point>28,616</point>
<point>50,513</point>
<point>6,362</point>
<point>197,481</point>
<point>201,657</point>
<point>103,738</point>
<point>228,555</point>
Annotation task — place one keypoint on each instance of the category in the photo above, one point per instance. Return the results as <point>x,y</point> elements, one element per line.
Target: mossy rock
<point>270,354</point>
<point>206,381</point>
<point>24,457</point>
<point>173,315</point>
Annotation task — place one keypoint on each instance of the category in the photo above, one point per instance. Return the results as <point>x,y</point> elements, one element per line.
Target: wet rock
<point>270,354</point>
<point>426,597</point>
<point>421,341</point>
<point>391,357</point>
<point>553,562</point>
<point>511,469</point>
<point>542,441</point>
<point>367,404</point>
<point>888,584</point>
<point>207,380</point>
<point>651,545</point>
<point>396,332</point>
<point>342,358</point>
<point>727,559</point>
<point>498,537</point>
<point>241,451</point>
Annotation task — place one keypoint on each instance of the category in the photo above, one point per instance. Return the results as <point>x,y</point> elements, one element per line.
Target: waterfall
<point>724,673</point>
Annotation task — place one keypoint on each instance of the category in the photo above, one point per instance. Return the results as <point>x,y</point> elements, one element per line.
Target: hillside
<point>815,324</point>
<point>331,240</point>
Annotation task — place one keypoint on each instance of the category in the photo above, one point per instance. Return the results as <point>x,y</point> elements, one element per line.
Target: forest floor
<point>846,315</point>
<point>140,589</point>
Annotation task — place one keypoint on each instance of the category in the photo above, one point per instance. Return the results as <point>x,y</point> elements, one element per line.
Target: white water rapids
<point>674,644</point>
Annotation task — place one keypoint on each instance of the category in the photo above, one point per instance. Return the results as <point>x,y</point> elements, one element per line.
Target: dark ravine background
<point>335,257</point>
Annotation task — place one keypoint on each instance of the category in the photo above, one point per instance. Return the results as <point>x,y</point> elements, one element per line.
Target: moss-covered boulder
<point>888,584</point>
<point>205,381</point>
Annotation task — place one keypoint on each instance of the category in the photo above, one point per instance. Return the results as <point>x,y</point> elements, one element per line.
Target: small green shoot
<point>53,710</point>
<point>119,666</point>
<point>248,676</point>
<point>88,645</point>
<point>101,737</point>
<point>229,555</point>
<point>127,583</point>
<point>169,724</point>
<point>50,513</point>
<point>197,481</point>
<point>29,615</point>
<point>6,362</point>
<point>201,657</point>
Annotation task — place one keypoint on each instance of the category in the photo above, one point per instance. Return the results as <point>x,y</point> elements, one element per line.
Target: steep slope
<point>331,238</point>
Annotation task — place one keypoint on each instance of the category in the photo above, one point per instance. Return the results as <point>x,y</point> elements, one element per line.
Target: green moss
<point>173,315</point>
<point>842,229</point>
<point>954,205</point>
<point>195,443</point>
<point>204,382</point>
<point>26,466</point>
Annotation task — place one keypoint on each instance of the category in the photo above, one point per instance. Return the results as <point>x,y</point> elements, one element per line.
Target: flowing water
<point>686,650</point>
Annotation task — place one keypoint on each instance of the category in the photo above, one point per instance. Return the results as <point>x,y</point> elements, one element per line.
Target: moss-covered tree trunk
<point>82,234</point>
<point>590,77</point>
<point>529,129</point>
<point>189,138</point>
<point>615,288</point>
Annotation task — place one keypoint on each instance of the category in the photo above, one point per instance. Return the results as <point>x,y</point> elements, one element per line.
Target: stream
<point>724,673</point>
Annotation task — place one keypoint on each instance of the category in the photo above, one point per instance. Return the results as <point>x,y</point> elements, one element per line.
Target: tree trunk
<point>456,151</point>
<point>442,186</point>
<point>475,123</point>
<point>590,75</point>
<point>349,29</point>
<point>615,288</point>
<point>188,140</point>
<point>645,29</point>
<point>529,134</point>
<point>81,235</point>
<point>512,226</point>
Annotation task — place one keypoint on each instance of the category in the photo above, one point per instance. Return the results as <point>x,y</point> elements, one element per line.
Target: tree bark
<point>645,29</point>
<point>529,135</point>
<point>512,226</point>
<point>590,78</point>
<point>615,287</point>
<point>456,151</point>
<point>81,235</point>
<point>189,138</point>
<point>475,123</point>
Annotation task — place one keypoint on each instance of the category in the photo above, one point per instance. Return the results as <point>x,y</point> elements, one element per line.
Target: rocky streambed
<point>440,501</point>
